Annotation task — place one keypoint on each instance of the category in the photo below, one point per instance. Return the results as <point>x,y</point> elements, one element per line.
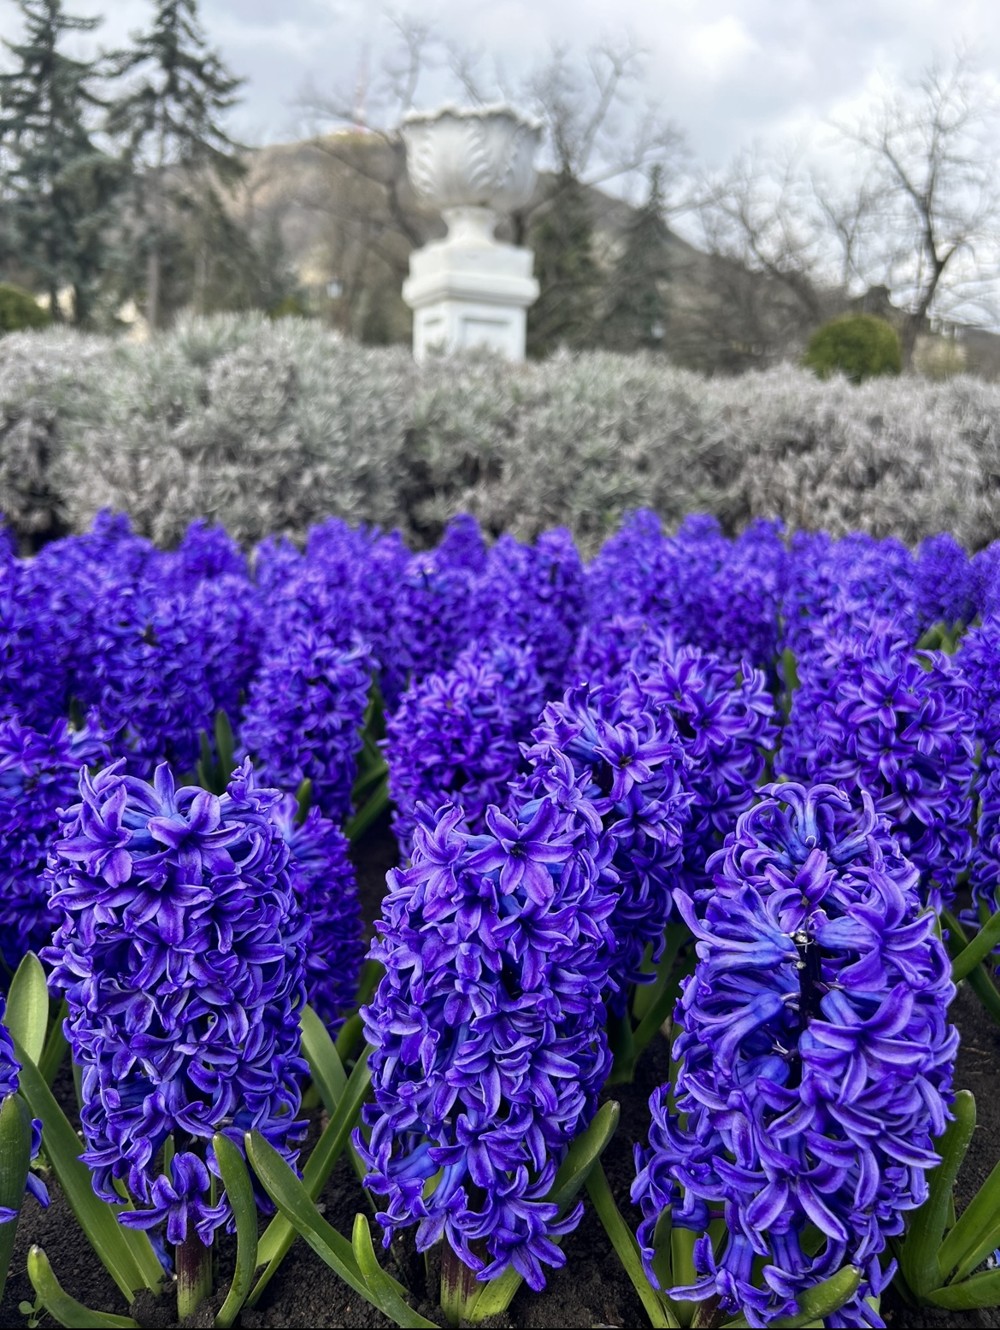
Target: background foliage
<point>269,426</point>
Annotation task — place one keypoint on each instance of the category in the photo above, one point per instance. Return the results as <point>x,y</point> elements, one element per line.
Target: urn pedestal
<point>469,290</point>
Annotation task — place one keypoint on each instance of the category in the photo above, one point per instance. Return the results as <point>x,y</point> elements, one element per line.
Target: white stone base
<point>465,296</point>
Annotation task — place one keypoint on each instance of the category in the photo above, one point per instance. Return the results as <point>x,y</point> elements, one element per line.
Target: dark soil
<point>592,1289</point>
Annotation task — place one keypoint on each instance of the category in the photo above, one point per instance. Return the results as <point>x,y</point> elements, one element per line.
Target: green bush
<point>19,310</point>
<point>859,346</point>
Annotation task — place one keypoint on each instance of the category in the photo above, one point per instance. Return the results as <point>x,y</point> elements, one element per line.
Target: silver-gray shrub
<point>44,378</point>
<point>262,426</point>
<point>271,426</point>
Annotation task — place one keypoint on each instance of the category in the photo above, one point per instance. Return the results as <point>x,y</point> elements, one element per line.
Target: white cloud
<point>718,49</point>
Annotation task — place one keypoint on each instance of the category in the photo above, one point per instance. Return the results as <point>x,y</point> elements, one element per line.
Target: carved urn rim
<point>488,111</point>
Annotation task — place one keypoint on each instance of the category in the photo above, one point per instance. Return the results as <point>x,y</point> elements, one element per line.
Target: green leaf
<point>368,814</point>
<point>649,1006</point>
<point>280,1233</point>
<point>303,798</point>
<point>495,1296</point>
<point>27,1016</point>
<point>918,1257</point>
<point>325,1065</point>
<point>294,1202</point>
<point>61,1307</point>
<point>55,1046</point>
<point>126,1253</point>
<point>979,1291</point>
<point>350,1038</point>
<point>975,1233</point>
<point>239,1190</point>
<point>979,981</point>
<point>390,1293</point>
<point>790,676</point>
<point>205,767</point>
<point>988,1241</point>
<point>682,1242</point>
<point>658,1306</point>
<point>815,1304</point>
<point>622,1048</point>
<point>224,745</point>
<point>663,1250</point>
<point>977,950</point>
<point>15,1161</point>
<point>583,1155</point>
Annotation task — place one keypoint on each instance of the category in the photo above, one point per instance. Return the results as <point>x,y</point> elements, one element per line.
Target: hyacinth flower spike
<point>488,1037</point>
<point>180,953</point>
<point>814,1062</point>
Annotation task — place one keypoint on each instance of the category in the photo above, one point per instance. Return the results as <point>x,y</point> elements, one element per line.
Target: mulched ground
<point>592,1290</point>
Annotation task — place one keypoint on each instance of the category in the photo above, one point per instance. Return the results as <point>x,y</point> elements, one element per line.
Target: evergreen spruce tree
<point>565,313</point>
<point>57,184</point>
<point>636,311</point>
<point>169,117</point>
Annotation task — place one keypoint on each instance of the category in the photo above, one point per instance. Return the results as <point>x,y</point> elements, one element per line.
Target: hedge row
<point>271,426</point>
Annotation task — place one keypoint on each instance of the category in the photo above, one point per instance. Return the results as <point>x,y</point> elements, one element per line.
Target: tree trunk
<point>153,289</point>
<point>200,280</point>
<point>908,338</point>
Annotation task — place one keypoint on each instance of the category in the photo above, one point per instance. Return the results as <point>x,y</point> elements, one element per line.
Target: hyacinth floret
<point>900,724</point>
<point>814,1062</point>
<point>726,723</point>
<point>325,883</point>
<point>978,657</point>
<point>431,620</point>
<point>305,712</point>
<point>534,596</point>
<point>181,957</point>
<point>848,582</point>
<point>10,1082</point>
<point>488,1031</point>
<point>38,776</point>
<point>456,735</point>
<point>944,586</point>
<point>631,766</point>
<point>148,678</point>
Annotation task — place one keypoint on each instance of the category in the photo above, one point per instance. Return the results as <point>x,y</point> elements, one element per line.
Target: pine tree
<point>637,309</point>
<point>57,184</point>
<point>170,120</point>
<point>565,311</point>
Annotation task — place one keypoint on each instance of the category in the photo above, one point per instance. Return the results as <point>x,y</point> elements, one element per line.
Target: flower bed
<point>688,848</point>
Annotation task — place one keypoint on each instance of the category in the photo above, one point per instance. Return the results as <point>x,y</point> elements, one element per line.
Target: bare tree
<point>598,129</point>
<point>760,228</point>
<point>931,145</point>
<point>851,216</point>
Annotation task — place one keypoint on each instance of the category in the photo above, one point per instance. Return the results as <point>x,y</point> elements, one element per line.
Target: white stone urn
<point>469,290</point>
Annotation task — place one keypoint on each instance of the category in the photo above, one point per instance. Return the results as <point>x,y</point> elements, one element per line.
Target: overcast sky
<point>727,71</point>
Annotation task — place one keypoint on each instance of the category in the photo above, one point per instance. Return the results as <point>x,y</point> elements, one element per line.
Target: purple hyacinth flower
<point>814,1059</point>
<point>181,956</point>
<point>488,1031</point>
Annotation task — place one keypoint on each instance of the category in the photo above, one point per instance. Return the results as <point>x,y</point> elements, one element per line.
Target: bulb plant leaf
<point>280,1233</point>
<point>15,1161</point>
<point>298,1207</point>
<point>27,1013</point>
<point>919,1253</point>
<point>493,1298</point>
<point>236,1179</point>
<point>126,1254</point>
<point>325,1065</point>
<point>64,1309</point>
